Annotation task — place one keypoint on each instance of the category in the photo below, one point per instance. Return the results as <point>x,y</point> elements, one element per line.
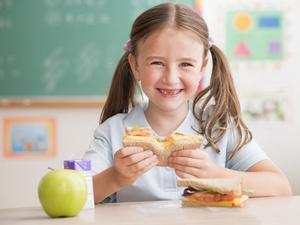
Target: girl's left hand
<point>191,163</point>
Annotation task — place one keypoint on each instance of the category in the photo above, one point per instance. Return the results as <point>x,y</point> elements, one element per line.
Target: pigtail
<point>226,108</point>
<point>121,92</point>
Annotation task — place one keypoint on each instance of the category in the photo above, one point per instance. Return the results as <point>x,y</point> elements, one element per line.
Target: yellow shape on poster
<point>243,22</point>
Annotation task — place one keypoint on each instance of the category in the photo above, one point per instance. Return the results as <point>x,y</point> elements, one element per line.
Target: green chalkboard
<point>63,48</point>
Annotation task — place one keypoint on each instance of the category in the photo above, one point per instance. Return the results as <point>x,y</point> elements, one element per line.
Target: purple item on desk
<point>78,164</point>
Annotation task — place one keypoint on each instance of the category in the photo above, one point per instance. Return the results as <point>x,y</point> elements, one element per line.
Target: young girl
<point>167,54</point>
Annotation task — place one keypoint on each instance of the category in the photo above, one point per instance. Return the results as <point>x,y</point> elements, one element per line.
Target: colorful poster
<point>29,138</point>
<point>254,35</point>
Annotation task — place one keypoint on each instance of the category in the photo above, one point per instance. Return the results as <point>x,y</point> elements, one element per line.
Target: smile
<point>169,92</point>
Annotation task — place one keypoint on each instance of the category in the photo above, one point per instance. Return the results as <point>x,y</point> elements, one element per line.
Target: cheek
<point>150,77</point>
<point>191,82</point>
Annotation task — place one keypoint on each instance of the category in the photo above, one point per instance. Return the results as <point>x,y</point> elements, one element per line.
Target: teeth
<point>170,91</point>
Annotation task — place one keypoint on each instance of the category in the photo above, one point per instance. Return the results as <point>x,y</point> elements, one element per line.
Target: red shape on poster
<point>242,50</point>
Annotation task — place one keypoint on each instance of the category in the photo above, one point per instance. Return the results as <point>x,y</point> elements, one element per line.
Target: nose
<point>171,76</point>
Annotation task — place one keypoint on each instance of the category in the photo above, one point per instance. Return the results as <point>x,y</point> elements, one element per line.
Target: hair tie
<point>210,42</point>
<point>127,46</point>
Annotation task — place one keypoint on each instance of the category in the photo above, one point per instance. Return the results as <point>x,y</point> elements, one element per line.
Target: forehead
<point>177,42</point>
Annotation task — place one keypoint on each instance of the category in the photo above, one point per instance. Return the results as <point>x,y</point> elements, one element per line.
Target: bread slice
<point>230,186</point>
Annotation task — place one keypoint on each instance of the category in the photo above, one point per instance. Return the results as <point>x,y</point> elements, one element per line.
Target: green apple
<point>62,192</point>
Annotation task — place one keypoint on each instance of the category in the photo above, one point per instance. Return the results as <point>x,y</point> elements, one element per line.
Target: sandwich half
<point>142,137</point>
<point>222,192</point>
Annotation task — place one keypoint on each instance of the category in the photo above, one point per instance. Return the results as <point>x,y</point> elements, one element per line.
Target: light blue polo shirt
<point>160,182</point>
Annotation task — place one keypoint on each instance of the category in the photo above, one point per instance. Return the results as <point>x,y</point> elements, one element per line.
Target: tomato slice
<point>228,197</point>
<point>202,196</point>
<point>141,132</point>
<point>210,197</point>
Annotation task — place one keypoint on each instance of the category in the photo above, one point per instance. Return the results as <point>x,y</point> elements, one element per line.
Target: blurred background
<point>57,58</point>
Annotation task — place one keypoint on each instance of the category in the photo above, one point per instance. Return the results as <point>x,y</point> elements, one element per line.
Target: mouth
<point>169,92</point>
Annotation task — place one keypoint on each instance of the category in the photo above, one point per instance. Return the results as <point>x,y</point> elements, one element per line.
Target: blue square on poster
<point>269,22</point>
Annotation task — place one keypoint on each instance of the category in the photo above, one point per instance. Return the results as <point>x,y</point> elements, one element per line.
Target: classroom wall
<point>19,177</point>
<point>259,80</point>
<point>75,126</point>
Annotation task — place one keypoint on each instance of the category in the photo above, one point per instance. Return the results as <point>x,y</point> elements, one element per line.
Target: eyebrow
<point>188,59</point>
<point>154,57</point>
<point>180,59</point>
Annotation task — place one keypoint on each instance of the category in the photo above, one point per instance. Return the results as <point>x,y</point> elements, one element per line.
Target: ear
<point>204,64</point>
<point>134,67</point>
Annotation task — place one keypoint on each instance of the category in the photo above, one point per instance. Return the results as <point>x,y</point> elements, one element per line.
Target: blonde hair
<point>221,89</point>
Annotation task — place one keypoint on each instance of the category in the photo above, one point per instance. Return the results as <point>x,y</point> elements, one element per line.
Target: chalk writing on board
<point>55,18</point>
<point>8,65</point>
<point>5,21</point>
<point>5,5</point>
<point>87,62</point>
<point>69,12</point>
<point>78,3</point>
<point>55,66</point>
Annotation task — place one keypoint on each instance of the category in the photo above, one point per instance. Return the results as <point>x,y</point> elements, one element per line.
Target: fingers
<point>132,155</point>
<point>131,162</point>
<point>183,161</point>
<point>134,160</point>
<point>147,164</point>
<point>190,163</point>
<point>141,166</point>
<point>183,174</point>
<point>190,157</point>
<point>124,152</point>
<point>137,157</point>
<point>189,171</point>
<point>191,153</point>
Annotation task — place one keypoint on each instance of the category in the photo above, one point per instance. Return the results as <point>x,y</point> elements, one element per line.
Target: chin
<point>170,107</point>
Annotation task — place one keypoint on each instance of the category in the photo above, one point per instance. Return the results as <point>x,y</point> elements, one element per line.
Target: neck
<point>162,122</point>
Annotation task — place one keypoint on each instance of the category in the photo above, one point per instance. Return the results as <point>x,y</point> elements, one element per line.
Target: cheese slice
<point>138,138</point>
<point>164,143</point>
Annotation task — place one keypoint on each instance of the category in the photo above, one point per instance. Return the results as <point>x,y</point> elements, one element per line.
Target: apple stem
<point>50,168</point>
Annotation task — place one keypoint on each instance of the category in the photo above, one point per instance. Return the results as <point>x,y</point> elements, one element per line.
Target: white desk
<point>270,211</point>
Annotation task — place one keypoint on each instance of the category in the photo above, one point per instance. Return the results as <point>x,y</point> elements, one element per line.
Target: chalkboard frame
<point>53,102</point>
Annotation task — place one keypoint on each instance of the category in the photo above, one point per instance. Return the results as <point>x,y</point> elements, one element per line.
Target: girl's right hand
<point>132,162</point>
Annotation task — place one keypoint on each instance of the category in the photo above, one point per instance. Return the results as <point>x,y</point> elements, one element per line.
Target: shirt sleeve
<point>100,150</point>
<point>247,156</point>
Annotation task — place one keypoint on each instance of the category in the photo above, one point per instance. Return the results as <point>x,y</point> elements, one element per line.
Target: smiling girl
<point>166,56</point>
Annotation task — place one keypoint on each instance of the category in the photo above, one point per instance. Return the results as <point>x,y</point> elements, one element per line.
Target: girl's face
<point>169,65</point>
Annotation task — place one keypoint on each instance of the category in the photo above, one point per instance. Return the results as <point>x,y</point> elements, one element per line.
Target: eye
<point>185,64</point>
<point>157,63</point>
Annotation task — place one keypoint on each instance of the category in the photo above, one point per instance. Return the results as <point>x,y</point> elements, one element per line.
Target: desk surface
<point>271,211</point>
